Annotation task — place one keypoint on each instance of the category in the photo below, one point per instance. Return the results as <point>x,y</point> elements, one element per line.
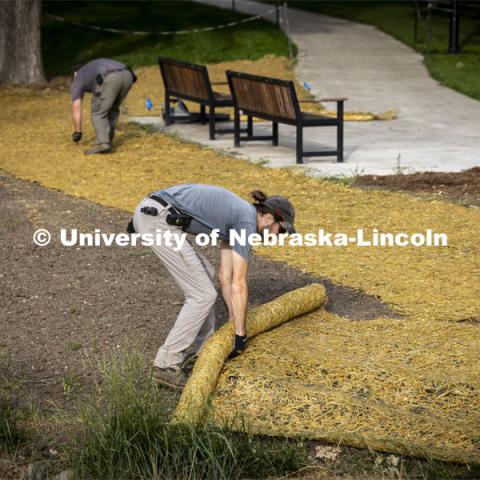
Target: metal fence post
<point>429,29</point>
<point>453,37</point>
<point>287,29</point>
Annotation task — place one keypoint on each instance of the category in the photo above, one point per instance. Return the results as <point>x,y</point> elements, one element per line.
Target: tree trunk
<point>20,46</point>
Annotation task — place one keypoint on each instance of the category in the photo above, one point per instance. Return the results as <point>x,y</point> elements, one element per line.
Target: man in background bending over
<point>109,82</point>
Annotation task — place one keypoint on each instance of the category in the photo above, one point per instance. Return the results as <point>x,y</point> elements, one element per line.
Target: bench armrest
<point>323,100</point>
<point>333,99</point>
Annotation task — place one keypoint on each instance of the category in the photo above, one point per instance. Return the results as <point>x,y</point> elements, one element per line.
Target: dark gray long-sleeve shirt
<point>86,78</point>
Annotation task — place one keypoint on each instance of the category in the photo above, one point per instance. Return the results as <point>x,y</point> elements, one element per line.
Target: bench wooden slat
<point>185,81</point>
<point>190,81</point>
<point>269,99</point>
<point>276,100</point>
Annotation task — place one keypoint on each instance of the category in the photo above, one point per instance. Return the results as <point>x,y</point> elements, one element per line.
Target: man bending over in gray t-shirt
<point>109,83</point>
<point>202,209</point>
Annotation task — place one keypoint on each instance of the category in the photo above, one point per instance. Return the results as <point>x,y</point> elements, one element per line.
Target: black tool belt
<point>108,72</point>
<point>134,77</point>
<point>161,201</point>
<point>174,216</point>
<point>100,77</point>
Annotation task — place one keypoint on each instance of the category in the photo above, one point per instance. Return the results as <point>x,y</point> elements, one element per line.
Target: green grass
<point>127,435</point>
<point>11,434</point>
<point>460,72</point>
<point>65,45</point>
<point>74,345</point>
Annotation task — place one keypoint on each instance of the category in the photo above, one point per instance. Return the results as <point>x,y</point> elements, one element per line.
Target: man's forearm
<point>77,116</point>
<point>239,300</point>
<point>233,281</point>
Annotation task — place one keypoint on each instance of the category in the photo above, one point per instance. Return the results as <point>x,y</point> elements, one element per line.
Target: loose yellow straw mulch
<point>390,385</point>
<point>384,384</point>
<point>202,383</point>
<point>424,283</point>
<point>306,377</point>
<point>150,85</point>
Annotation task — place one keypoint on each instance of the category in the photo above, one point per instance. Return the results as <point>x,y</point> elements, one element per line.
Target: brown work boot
<point>99,148</point>
<point>170,377</point>
<point>189,362</point>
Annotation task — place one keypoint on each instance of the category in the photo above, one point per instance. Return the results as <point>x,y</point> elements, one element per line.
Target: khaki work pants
<point>106,103</point>
<point>194,275</point>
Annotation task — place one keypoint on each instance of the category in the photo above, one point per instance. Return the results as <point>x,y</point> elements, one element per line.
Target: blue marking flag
<point>148,104</point>
<point>307,86</point>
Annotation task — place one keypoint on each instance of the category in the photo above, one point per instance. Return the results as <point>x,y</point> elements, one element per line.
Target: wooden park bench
<point>190,81</point>
<point>276,100</point>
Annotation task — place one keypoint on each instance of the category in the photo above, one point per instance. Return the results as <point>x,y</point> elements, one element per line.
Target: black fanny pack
<point>174,217</point>
<point>179,220</point>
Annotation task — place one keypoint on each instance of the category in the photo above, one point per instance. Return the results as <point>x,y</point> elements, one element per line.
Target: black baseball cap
<point>282,209</point>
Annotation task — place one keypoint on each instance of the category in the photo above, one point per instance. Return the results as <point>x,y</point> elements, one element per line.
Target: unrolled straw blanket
<point>193,401</point>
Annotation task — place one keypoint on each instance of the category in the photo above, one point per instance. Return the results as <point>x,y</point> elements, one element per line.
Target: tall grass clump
<point>11,435</point>
<point>127,436</point>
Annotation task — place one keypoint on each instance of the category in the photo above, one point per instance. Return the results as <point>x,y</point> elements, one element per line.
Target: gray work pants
<point>194,275</point>
<point>106,103</point>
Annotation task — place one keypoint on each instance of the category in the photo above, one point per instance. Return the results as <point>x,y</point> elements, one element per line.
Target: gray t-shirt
<point>214,207</point>
<point>86,78</point>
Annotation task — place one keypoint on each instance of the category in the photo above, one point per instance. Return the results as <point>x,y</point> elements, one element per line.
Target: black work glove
<point>76,136</point>
<point>239,346</point>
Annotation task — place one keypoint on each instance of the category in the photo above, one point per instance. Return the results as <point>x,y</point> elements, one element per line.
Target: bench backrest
<point>187,80</point>
<point>267,97</point>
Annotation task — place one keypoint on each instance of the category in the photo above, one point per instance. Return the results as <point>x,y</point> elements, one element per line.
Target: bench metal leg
<point>299,144</point>
<point>275,134</point>
<point>340,132</point>
<point>168,119</point>
<point>203,117</point>
<point>212,122</point>
<point>250,127</point>
<point>236,128</point>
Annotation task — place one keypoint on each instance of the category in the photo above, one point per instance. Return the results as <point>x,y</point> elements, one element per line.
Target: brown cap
<point>282,209</point>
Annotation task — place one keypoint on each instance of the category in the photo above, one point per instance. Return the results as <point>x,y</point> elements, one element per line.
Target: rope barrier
<point>172,32</point>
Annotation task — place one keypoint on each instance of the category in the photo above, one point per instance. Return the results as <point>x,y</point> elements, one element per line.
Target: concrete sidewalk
<point>438,129</point>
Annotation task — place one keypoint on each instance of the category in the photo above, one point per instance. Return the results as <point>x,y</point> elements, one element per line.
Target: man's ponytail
<point>258,196</point>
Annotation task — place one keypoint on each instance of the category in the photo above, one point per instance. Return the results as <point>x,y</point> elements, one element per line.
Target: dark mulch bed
<point>462,187</point>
